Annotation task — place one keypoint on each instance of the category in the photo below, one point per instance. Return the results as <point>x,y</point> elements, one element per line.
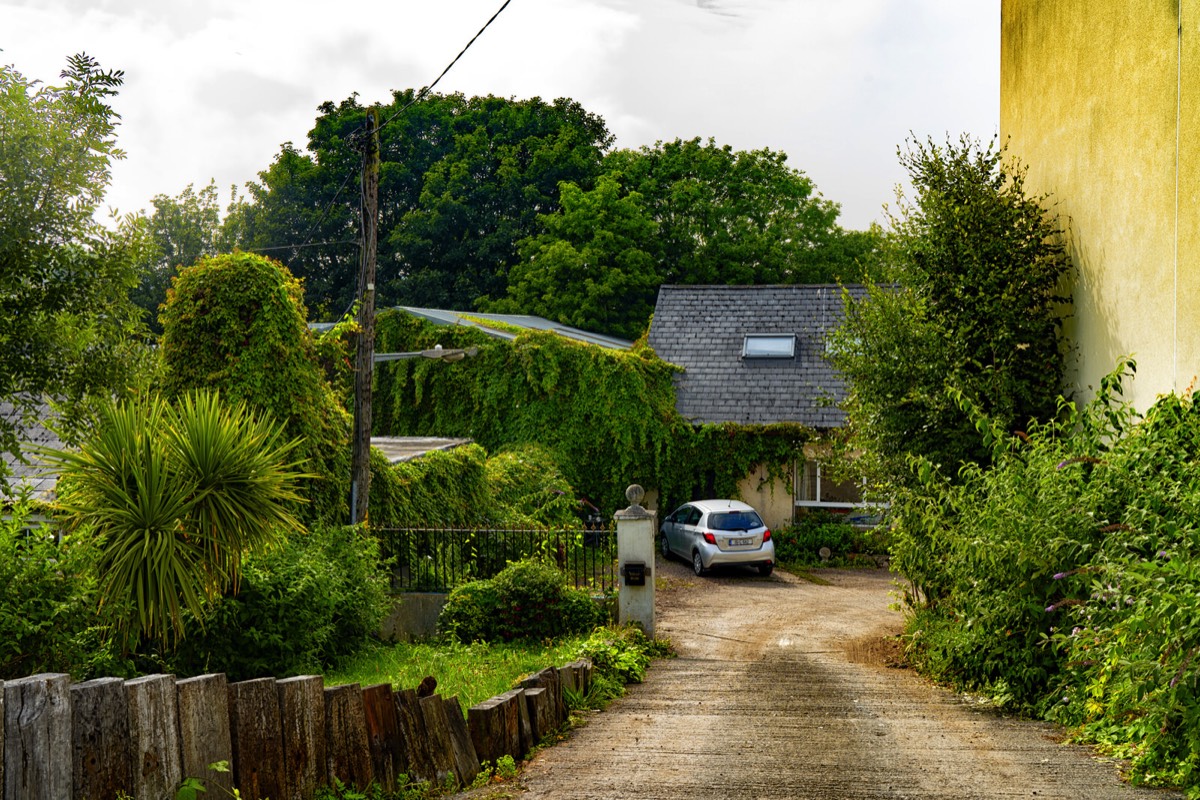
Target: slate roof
<point>702,329</point>
<point>31,433</point>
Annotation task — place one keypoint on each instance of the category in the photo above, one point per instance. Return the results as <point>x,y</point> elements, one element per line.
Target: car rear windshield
<point>735,521</point>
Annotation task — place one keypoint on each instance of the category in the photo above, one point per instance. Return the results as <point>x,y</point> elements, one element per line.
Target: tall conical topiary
<point>237,323</point>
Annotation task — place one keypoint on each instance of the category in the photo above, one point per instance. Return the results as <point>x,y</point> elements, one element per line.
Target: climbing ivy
<point>237,323</point>
<point>607,417</point>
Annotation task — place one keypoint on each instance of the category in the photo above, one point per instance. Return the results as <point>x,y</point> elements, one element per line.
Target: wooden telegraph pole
<point>360,475</point>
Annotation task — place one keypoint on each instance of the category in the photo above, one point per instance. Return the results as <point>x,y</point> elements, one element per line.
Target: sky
<point>214,88</point>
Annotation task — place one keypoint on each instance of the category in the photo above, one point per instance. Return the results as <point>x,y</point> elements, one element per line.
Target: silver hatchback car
<point>713,532</point>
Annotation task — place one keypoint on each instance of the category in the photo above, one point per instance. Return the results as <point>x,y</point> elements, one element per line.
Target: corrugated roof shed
<point>703,330</point>
<point>525,321</point>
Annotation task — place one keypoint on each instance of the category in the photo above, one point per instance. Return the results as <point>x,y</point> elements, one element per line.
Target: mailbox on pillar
<point>635,555</point>
<point>635,573</point>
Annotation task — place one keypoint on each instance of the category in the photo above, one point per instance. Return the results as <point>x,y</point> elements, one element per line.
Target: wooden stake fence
<point>283,739</point>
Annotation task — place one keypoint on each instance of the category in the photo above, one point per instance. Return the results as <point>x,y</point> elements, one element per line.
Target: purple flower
<point>1050,609</point>
<point>1058,576</point>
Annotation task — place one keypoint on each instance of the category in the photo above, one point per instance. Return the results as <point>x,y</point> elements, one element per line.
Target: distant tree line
<point>518,206</point>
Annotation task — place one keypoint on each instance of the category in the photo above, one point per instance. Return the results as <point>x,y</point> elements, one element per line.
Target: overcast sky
<point>213,88</point>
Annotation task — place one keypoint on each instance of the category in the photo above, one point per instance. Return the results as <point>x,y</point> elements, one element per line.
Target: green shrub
<point>527,600</point>
<point>801,543</point>
<point>48,614</point>
<point>301,607</point>
<point>620,655</point>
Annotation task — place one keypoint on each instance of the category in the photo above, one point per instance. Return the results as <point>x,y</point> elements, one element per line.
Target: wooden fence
<point>283,739</point>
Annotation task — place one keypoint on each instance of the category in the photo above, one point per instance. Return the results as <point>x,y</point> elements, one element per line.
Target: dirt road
<point>782,689</point>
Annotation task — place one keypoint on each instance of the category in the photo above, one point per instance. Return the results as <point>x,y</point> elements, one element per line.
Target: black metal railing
<point>438,559</point>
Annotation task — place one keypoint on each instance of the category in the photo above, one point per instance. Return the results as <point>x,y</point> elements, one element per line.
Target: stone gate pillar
<point>635,562</point>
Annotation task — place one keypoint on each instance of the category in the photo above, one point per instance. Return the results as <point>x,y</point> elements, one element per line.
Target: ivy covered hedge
<point>606,417</point>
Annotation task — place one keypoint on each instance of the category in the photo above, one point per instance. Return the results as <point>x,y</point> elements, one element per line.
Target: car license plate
<point>740,542</point>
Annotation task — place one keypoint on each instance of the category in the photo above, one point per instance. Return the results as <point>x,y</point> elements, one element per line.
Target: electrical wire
<point>357,136</point>
<point>421,95</point>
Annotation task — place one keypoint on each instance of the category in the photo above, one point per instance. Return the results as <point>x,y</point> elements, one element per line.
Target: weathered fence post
<point>302,718</point>
<point>541,714</point>
<point>388,757</point>
<point>37,737</point>
<point>257,738</point>
<point>204,731</point>
<point>635,557</point>
<point>347,751</point>
<point>412,727</point>
<point>154,734</point>
<point>524,728</point>
<point>101,747</point>
<point>466,762</point>
<point>437,733</point>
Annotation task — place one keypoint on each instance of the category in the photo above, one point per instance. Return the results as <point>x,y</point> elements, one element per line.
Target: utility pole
<point>360,469</point>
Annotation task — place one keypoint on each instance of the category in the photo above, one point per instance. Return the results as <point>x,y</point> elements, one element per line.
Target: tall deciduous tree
<point>66,323</point>
<point>182,230</point>
<point>593,266</point>
<point>462,181</point>
<point>974,318</point>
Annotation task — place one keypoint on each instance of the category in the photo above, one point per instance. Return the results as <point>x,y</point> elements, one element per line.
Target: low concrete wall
<point>413,616</point>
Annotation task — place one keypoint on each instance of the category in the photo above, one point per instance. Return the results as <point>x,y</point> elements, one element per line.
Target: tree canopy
<point>67,325</point>
<point>973,319</point>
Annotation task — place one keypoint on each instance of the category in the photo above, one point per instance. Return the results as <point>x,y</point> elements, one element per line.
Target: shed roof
<point>524,321</point>
<point>703,330</point>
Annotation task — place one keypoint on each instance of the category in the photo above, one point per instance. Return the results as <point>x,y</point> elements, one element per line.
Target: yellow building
<point>1101,101</point>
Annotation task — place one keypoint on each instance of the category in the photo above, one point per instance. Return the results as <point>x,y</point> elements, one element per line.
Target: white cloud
<point>213,88</point>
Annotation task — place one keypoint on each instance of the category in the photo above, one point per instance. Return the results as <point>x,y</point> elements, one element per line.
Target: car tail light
<point>708,537</point>
<point>767,535</point>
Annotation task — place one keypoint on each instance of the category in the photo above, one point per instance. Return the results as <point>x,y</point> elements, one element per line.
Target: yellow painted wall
<point>771,496</point>
<point>1093,99</point>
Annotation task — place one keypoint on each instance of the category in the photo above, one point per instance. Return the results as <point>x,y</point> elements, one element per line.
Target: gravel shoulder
<point>785,688</point>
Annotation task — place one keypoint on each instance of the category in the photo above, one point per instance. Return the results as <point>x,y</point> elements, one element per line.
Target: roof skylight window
<point>774,345</point>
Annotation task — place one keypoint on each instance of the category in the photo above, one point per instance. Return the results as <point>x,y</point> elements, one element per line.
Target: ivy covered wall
<point>606,417</point>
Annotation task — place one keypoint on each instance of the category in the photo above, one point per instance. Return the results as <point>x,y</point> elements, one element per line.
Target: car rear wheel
<point>765,569</point>
<point>697,563</point>
<point>665,546</point>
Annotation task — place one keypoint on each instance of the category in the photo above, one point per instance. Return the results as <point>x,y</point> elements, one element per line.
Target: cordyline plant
<point>176,495</point>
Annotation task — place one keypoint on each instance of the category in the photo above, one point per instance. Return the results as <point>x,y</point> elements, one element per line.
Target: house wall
<point>770,495</point>
<point>1101,101</point>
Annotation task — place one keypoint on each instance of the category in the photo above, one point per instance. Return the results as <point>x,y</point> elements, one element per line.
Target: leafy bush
<point>48,614</point>
<point>801,543</point>
<point>301,607</point>
<point>620,656</point>
<point>526,600</point>
<point>1065,580</point>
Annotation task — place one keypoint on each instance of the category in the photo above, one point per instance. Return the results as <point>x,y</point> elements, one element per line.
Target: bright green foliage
<point>67,327</point>
<point>175,496</point>
<point>607,417</point>
<point>1065,579</point>
<point>304,605</point>
<point>593,266</point>
<point>728,217</point>
<point>237,323</point>
<point>976,310</point>
<point>526,600</point>
<point>529,491</point>
<point>447,488</point>
<point>48,619</point>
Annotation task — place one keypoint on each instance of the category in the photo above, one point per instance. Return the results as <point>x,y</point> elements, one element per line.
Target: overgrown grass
<point>473,672</point>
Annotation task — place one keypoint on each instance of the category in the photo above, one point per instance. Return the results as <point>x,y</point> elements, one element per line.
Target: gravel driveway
<point>785,688</point>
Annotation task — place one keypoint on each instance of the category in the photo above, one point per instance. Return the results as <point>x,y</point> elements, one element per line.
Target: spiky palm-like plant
<point>176,495</point>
